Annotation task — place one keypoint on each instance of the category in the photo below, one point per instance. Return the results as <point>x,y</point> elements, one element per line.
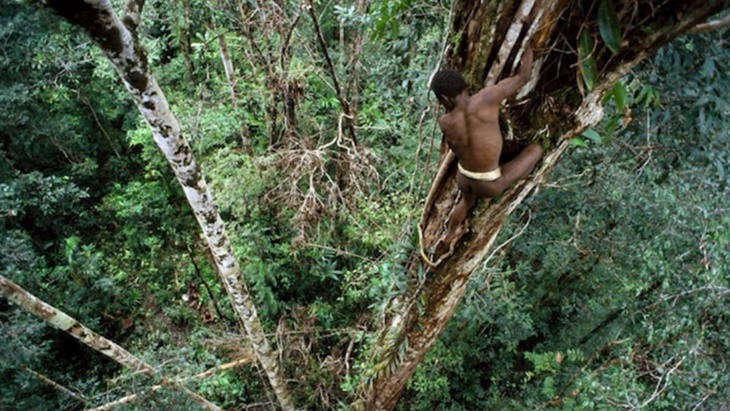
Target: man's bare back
<point>471,130</point>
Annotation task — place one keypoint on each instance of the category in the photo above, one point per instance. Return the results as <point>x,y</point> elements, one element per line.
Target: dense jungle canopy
<point>233,204</point>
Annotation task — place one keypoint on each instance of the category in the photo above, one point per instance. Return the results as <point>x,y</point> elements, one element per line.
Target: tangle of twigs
<point>325,180</point>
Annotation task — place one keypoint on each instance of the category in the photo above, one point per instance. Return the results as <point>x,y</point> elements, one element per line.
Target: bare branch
<point>222,367</point>
<point>64,322</point>
<point>98,123</point>
<point>711,25</point>
<point>124,400</point>
<point>74,395</point>
<point>129,398</point>
<point>287,40</point>
<point>345,105</point>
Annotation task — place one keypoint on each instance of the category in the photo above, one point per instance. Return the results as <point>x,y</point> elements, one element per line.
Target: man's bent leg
<point>521,165</point>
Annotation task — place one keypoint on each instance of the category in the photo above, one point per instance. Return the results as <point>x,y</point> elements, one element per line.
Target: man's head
<point>447,84</point>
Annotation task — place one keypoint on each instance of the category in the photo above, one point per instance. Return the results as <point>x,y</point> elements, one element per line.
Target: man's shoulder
<point>489,95</point>
<point>443,121</point>
<point>451,118</point>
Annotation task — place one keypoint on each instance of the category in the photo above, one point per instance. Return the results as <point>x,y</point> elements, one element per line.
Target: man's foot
<point>446,244</point>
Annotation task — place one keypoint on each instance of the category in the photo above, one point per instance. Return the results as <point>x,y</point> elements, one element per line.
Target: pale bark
<point>553,113</point>
<point>78,397</point>
<point>711,25</point>
<point>232,81</point>
<point>118,42</point>
<point>510,42</point>
<point>132,397</point>
<point>227,66</point>
<point>65,323</point>
<point>123,400</point>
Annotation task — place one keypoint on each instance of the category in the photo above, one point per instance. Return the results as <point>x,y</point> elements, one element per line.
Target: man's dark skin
<point>471,130</point>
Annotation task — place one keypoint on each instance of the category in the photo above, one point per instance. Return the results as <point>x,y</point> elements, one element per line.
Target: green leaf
<point>611,126</point>
<point>608,26</point>
<point>642,94</point>
<point>648,96</point>
<point>588,69</point>
<point>592,135</point>
<point>577,141</point>
<point>619,95</point>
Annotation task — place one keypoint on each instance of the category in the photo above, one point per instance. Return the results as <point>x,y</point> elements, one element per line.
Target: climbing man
<point>471,130</point>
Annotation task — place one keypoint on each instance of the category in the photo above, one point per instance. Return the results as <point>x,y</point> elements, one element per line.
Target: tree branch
<point>205,283</point>
<point>287,40</point>
<point>710,25</point>
<point>64,322</point>
<point>124,400</point>
<point>345,105</point>
<point>131,397</point>
<point>76,396</point>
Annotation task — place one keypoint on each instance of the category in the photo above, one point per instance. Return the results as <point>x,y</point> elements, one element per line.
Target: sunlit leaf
<point>610,127</point>
<point>608,26</point>
<point>577,141</point>
<point>648,96</point>
<point>592,135</point>
<point>619,95</point>
<point>588,69</point>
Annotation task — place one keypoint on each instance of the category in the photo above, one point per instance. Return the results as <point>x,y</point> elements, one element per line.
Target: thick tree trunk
<point>555,106</point>
<point>118,41</point>
<point>63,322</point>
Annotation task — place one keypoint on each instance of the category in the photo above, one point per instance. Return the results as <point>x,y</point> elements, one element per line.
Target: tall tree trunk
<point>232,81</point>
<point>352,92</point>
<point>63,322</point>
<point>119,43</point>
<point>344,104</point>
<point>563,99</point>
<point>185,47</point>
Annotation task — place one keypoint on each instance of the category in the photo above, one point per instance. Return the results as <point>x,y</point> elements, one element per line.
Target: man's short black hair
<point>448,83</point>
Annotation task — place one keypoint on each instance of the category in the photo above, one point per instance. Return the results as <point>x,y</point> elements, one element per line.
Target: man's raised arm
<point>509,86</point>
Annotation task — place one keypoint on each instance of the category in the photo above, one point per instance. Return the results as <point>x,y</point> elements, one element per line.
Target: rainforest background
<point>607,288</point>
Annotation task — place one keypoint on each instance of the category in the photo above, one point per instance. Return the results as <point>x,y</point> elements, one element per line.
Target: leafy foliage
<point>615,293</point>
<point>608,26</point>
